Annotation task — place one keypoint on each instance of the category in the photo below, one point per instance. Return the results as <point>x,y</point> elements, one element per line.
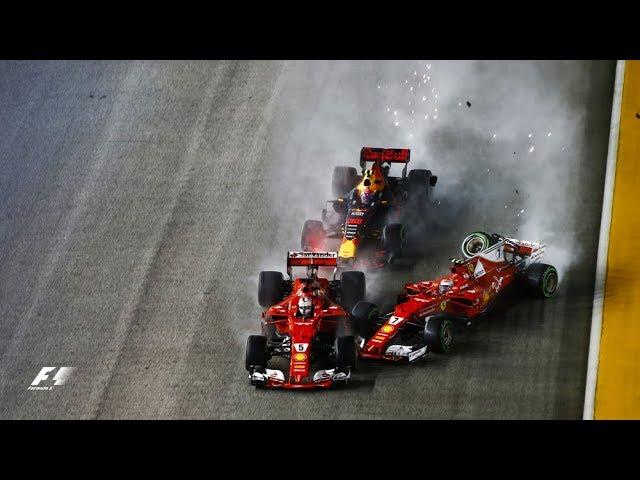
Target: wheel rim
<point>475,245</point>
<point>550,282</point>
<point>447,336</point>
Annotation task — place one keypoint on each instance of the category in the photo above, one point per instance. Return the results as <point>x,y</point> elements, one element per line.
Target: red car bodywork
<point>326,318</point>
<point>477,282</point>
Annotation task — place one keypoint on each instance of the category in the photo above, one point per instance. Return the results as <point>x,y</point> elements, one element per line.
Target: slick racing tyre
<point>438,333</point>
<point>312,238</point>
<point>352,288</point>
<point>364,316</point>
<point>419,184</point>
<point>475,243</point>
<point>541,280</point>
<point>346,354</point>
<point>343,180</point>
<point>256,353</point>
<point>393,240</point>
<point>270,288</point>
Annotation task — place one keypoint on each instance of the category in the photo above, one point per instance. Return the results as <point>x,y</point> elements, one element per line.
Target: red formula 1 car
<point>307,321</point>
<point>424,316</point>
<point>368,213</point>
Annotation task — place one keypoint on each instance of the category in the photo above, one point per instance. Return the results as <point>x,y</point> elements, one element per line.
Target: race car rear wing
<point>311,259</point>
<point>391,155</point>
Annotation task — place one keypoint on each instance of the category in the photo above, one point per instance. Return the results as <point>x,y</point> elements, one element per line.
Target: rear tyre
<point>256,353</point>
<point>438,334</point>
<point>346,353</point>
<point>393,240</point>
<point>475,243</point>
<point>312,235</point>
<point>419,185</point>
<point>270,288</point>
<point>343,180</point>
<point>364,316</point>
<point>541,280</point>
<point>352,288</point>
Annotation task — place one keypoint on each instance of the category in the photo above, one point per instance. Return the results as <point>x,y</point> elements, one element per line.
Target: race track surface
<point>139,201</point>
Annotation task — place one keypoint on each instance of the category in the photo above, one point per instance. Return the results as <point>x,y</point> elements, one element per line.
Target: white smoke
<point>506,161</point>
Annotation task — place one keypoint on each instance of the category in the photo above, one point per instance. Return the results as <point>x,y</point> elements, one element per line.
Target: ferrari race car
<point>425,314</point>
<point>305,320</point>
<point>368,212</point>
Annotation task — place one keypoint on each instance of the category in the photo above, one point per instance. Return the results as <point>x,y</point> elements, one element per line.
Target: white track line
<point>603,248</point>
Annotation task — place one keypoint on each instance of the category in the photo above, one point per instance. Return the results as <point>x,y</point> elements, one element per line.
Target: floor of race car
<point>140,201</point>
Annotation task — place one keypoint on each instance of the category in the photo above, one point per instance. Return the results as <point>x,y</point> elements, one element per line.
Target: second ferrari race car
<point>425,314</point>
<point>368,213</point>
<point>305,320</point>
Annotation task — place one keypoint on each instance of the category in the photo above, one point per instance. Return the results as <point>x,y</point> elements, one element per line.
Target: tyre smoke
<point>503,137</point>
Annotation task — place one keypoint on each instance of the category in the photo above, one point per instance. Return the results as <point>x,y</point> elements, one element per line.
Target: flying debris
<point>468,104</point>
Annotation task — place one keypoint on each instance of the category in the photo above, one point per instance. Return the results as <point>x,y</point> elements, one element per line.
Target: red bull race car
<point>370,208</point>
<point>425,314</point>
<point>306,321</point>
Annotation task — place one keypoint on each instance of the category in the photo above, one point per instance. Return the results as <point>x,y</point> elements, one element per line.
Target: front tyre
<point>541,280</point>
<point>346,353</point>
<point>438,334</point>
<point>256,353</point>
<point>475,243</point>
<point>365,317</point>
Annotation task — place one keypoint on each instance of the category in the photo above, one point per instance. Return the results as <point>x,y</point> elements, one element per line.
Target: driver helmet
<point>446,284</point>
<point>305,307</point>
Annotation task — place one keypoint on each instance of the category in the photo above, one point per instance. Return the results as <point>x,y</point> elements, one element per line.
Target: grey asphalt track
<point>137,207</point>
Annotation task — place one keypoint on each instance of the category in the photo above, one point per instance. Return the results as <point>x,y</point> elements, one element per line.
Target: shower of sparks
<point>548,134</point>
<point>532,148</point>
<point>424,99</point>
<point>459,104</point>
<point>530,135</point>
<point>397,123</point>
<point>494,135</point>
<point>395,112</point>
<point>435,116</point>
